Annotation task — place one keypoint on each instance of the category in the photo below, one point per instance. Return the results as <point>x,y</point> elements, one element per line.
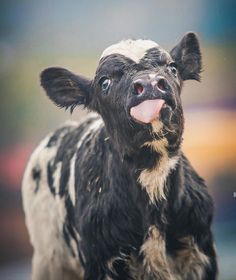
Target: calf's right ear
<point>188,57</point>
<point>66,89</point>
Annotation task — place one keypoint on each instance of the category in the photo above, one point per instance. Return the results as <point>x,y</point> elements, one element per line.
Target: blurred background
<point>72,34</point>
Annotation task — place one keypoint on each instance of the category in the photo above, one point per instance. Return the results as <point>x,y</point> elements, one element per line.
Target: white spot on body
<point>57,176</point>
<point>154,251</point>
<point>133,49</point>
<point>153,180</point>
<point>71,183</point>
<point>187,263</point>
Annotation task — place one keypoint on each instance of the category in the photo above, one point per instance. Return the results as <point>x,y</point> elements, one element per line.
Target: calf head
<point>136,90</point>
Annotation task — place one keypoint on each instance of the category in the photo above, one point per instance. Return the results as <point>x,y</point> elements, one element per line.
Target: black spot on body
<point>50,171</point>
<point>69,229</point>
<point>36,175</point>
<point>56,136</point>
<point>66,235</point>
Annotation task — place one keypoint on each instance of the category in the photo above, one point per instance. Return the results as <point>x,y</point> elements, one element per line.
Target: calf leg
<point>40,268</point>
<point>44,269</point>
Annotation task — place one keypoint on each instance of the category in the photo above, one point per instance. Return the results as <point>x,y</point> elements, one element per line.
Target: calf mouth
<point>147,111</point>
<point>150,110</point>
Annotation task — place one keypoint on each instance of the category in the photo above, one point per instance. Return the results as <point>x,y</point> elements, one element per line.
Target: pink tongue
<point>147,111</point>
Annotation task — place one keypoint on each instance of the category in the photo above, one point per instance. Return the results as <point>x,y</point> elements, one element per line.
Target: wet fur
<point>111,198</point>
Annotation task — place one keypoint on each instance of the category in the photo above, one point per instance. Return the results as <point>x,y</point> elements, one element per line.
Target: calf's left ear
<point>188,57</point>
<point>66,89</point>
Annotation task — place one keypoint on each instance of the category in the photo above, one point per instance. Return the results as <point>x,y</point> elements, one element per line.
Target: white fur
<point>57,176</point>
<point>133,49</point>
<point>154,251</point>
<point>71,184</point>
<point>153,180</point>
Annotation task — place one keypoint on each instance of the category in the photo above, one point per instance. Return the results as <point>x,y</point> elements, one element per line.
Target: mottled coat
<point>114,197</point>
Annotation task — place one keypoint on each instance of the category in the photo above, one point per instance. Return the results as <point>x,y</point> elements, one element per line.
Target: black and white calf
<point>114,197</point>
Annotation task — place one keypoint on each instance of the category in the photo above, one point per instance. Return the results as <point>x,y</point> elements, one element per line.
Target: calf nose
<point>150,83</point>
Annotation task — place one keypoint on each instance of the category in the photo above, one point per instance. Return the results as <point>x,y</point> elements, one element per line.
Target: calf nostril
<point>138,88</point>
<point>162,85</point>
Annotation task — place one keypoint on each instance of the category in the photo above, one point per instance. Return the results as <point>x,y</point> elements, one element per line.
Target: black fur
<point>36,175</point>
<point>188,57</point>
<point>113,212</point>
<point>64,88</point>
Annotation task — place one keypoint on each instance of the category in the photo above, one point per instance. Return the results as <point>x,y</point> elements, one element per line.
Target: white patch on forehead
<point>133,49</point>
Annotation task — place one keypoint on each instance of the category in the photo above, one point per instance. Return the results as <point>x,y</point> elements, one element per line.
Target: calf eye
<point>173,68</point>
<point>105,83</point>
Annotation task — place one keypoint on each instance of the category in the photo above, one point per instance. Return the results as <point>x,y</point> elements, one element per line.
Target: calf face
<point>136,90</point>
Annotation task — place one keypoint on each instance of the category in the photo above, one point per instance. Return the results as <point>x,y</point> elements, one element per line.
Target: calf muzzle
<point>150,84</point>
